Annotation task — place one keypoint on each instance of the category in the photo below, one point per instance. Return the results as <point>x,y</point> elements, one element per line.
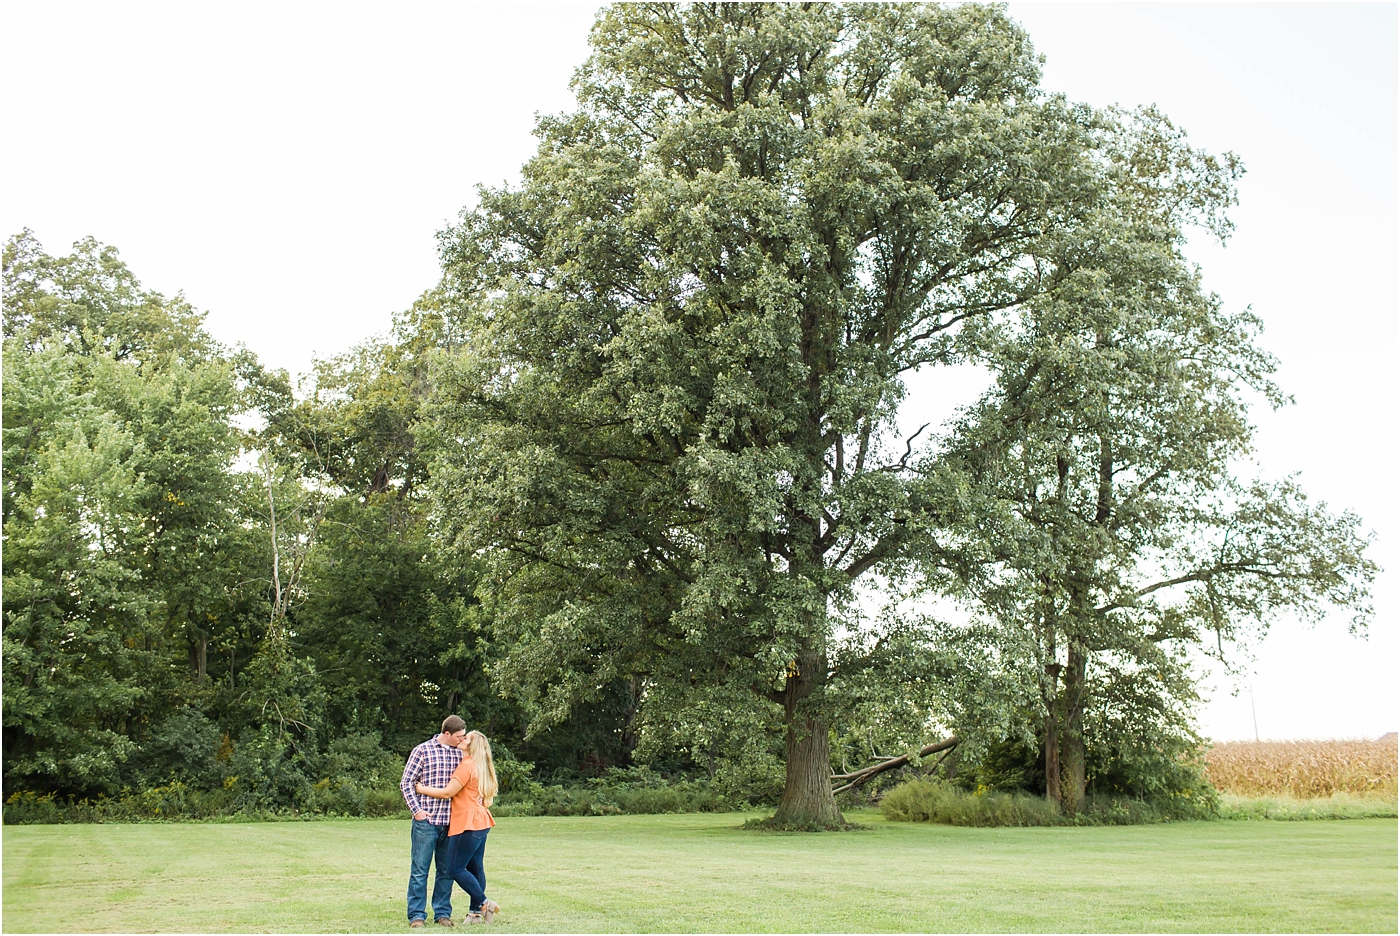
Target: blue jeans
<point>465,854</point>
<point>429,845</point>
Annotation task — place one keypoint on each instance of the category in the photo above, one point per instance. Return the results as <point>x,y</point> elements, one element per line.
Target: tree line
<point>628,486</point>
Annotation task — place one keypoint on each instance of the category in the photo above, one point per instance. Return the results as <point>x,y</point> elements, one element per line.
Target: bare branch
<point>903,463</point>
<point>893,763</point>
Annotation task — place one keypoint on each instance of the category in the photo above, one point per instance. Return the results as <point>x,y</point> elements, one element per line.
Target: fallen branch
<point>856,773</point>
<point>858,777</point>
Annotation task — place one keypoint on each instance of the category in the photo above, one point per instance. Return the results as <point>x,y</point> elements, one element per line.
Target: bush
<point>177,802</point>
<point>184,747</point>
<point>37,808</point>
<point>938,801</point>
<point>264,777</point>
<point>635,790</point>
<point>266,780</point>
<point>173,801</point>
<point>1120,810</point>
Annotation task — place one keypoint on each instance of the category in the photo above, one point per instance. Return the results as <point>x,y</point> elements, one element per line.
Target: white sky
<point>288,165</point>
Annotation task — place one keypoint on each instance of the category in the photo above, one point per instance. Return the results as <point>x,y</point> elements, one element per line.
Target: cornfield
<point>1304,769</point>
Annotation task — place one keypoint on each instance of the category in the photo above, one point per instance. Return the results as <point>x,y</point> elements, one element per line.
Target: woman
<point>472,789</point>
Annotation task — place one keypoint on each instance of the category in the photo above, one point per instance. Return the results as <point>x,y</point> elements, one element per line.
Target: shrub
<point>1123,810</point>
<point>175,802</point>
<point>170,802</point>
<point>29,807</point>
<point>635,790</point>
<point>183,747</point>
<point>367,787</point>
<point>938,801</point>
<point>931,800</point>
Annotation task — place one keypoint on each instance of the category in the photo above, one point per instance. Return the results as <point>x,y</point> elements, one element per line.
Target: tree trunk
<point>199,657</point>
<point>1050,695</point>
<point>807,797</point>
<point>1072,742</point>
<point>629,722</point>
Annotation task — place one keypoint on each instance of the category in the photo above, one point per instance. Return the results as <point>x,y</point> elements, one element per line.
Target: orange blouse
<point>468,813</point>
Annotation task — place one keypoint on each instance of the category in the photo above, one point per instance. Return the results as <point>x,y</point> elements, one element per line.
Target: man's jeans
<point>429,845</point>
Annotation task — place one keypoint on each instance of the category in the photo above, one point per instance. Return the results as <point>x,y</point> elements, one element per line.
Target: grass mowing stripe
<point>697,873</point>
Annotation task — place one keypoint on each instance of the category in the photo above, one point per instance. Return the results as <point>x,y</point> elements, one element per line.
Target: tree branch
<point>908,450</point>
<point>894,763</point>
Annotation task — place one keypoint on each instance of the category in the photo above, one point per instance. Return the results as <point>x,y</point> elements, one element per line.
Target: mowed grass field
<point>701,873</point>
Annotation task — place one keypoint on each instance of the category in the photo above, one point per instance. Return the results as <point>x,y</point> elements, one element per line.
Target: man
<point>431,764</point>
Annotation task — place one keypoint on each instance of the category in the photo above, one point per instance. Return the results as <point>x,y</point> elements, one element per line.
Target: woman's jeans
<point>465,851</point>
<point>429,846</point>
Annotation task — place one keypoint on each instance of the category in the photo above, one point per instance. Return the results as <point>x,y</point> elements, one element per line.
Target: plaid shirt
<point>430,764</point>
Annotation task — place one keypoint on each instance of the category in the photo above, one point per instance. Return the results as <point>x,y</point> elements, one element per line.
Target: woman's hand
<point>446,792</point>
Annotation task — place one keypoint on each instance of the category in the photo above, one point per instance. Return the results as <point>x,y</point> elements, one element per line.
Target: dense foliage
<point>152,655</point>
<point>627,489</point>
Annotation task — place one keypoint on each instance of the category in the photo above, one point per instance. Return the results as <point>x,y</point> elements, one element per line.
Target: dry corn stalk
<point>1304,769</point>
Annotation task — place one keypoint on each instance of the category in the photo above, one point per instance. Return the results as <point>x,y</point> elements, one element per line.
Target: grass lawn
<point>701,873</point>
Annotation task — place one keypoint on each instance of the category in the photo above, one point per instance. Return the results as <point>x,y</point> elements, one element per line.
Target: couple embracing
<point>448,784</point>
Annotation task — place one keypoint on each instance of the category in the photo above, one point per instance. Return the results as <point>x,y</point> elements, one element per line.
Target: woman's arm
<point>446,792</point>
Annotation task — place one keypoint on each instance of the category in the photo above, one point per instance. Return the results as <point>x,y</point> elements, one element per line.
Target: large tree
<point>125,542</point>
<point>671,427</point>
<point>395,631</point>
<point>1112,533</point>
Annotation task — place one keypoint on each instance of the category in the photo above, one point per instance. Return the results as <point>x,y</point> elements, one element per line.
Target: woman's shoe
<point>472,918</point>
<point>489,909</point>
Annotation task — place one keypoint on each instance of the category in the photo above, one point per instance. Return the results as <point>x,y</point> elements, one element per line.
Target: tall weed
<point>635,790</point>
<point>937,801</point>
<point>1336,806</point>
<point>176,802</point>
<point>932,800</point>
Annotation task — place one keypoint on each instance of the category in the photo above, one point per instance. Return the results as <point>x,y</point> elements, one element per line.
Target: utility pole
<point>1251,712</point>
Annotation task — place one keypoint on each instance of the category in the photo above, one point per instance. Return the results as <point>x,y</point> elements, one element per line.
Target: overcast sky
<point>288,165</point>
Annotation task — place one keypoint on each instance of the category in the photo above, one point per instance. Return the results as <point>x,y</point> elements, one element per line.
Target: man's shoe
<point>444,921</point>
<point>415,924</point>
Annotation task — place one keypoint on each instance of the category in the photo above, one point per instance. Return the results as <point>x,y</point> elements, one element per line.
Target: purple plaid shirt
<point>430,764</point>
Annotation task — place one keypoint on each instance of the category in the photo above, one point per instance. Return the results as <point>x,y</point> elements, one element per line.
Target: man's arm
<point>412,773</point>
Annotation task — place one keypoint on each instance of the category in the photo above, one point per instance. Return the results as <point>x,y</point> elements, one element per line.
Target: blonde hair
<point>479,750</point>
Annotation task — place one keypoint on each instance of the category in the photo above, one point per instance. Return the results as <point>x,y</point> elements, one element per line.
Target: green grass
<point>699,872</point>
